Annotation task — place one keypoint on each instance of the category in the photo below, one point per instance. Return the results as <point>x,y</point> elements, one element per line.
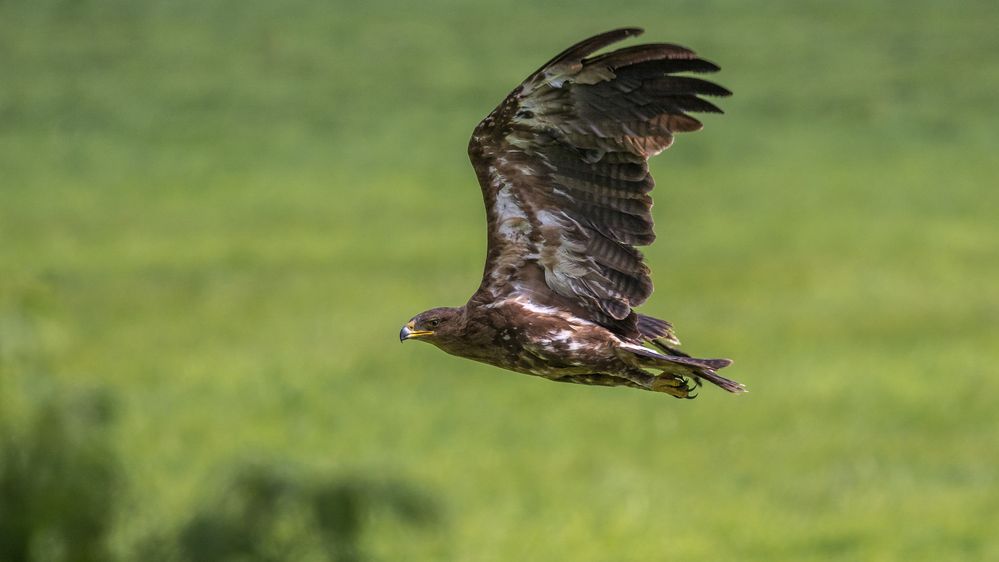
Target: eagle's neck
<point>467,334</point>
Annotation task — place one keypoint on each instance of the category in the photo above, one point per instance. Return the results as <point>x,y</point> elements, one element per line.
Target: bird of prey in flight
<point>563,166</point>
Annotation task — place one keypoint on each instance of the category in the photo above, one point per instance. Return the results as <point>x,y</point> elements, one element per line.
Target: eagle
<point>563,167</point>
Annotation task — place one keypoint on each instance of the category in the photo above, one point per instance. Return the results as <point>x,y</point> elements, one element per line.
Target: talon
<point>674,385</point>
<point>690,386</point>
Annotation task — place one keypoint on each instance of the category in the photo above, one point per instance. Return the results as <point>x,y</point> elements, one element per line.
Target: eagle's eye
<point>434,323</point>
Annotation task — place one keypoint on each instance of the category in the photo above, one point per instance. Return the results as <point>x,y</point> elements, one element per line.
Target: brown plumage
<point>562,163</point>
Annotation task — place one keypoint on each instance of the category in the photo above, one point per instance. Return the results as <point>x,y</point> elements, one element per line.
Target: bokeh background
<point>215,216</point>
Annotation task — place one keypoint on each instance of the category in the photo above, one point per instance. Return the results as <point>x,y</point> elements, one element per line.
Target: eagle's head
<point>437,326</point>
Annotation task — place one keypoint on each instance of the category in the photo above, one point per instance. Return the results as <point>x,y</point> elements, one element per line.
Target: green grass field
<point>221,213</point>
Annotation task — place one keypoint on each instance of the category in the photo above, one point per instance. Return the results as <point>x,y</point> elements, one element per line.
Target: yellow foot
<point>674,385</point>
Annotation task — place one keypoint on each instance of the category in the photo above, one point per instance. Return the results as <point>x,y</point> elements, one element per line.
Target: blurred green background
<point>215,216</point>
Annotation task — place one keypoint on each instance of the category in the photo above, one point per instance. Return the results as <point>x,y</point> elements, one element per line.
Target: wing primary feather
<point>673,85</point>
<point>574,54</point>
<point>642,53</point>
<point>658,67</point>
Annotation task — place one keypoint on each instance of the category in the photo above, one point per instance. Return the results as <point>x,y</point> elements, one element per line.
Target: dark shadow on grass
<point>61,488</point>
<point>58,481</point>
<point>264,514</point>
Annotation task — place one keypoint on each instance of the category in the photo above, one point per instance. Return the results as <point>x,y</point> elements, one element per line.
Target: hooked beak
<point>409,332</point>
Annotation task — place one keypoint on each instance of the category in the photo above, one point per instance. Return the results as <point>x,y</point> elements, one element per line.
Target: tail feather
<point>718,380</point>
<point>678,363</point>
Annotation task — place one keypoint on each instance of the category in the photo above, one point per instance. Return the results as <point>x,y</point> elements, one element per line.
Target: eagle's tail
<point>675,363</point>
<point>728,384</point>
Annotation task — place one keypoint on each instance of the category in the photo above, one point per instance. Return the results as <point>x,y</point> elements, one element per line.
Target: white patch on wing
<point>640,349</point>
<point>511,219</point>
<point>564,260</point>
<point>513,230</point>
<point>526,304</point>
<point>557,220</point>
<point>538,309</point>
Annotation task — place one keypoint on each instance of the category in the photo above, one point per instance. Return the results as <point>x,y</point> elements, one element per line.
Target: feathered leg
<point>602,379</point>
<point>676,386</point>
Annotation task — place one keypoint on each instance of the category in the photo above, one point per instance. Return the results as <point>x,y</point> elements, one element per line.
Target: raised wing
<point>562,162</point>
